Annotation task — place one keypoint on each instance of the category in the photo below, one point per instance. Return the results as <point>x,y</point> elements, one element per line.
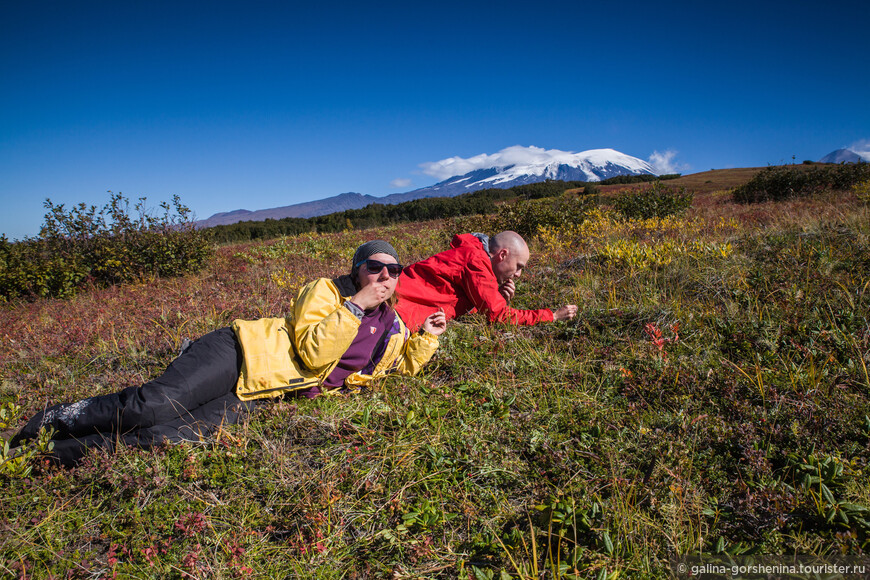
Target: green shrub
<point>546,188</point>
<point>783,182</point>
<point>103,246</point>
<point>525,217</point>
<point>656,201</point>
<point>628,179</point>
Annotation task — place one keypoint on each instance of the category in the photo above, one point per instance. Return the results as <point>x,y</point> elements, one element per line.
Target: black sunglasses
<point>375,267</point>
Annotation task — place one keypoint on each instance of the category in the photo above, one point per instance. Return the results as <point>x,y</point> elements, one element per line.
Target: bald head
<point>508,253</point>
<point>510,240</point>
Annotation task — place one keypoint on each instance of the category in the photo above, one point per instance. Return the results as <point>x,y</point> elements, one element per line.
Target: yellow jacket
<point>300,350</point>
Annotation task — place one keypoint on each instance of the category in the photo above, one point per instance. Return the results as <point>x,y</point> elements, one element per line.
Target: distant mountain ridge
<point>844,156</point>
<point>341,202</point>
<point>592,165</point>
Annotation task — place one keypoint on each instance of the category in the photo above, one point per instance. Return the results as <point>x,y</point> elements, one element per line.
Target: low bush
<point>657,201</point>
<point>591,189</point>
<point>546,188</point>
<point>784,182</point>
<point>628,179</point>
<point>105,246</point>
<point>529,217</point>
<point>526,217</point>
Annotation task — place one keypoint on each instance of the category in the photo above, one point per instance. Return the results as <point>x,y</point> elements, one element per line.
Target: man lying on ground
<point>477,272</point>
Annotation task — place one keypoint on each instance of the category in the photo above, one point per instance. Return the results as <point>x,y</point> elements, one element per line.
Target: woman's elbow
<point>317,359</point>
<point>311,353</point>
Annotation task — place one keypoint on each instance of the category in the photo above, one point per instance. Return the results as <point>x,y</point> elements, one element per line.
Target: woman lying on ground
<point>340,335</point>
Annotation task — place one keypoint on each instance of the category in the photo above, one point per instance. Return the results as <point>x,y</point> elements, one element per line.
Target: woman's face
<point>382,277</point>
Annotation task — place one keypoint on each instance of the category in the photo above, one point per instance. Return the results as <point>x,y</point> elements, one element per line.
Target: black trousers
<point>190,400</point>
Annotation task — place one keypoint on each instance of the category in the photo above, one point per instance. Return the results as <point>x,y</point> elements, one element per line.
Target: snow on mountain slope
<point>522,165</point>
<point>594,165</point>
<point>509,167</point>
<point>519,162</point>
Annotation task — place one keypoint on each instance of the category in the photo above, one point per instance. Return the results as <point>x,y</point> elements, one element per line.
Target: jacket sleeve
<point>323,329</point>
<point>418,350</point>
<point>481,287</point>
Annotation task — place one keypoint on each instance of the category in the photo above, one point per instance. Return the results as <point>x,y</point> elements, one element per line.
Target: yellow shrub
<point>638,255</point>
<point>289,281</point>
<point>603,229</point>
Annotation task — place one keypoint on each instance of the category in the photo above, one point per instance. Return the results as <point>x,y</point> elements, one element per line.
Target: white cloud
<point>664,163</point>
<point>516,155</point>
<point>400,182</point>
<point>862,148</point>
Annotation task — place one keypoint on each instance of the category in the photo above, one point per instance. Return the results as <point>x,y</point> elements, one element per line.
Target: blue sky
<point>261,104</point>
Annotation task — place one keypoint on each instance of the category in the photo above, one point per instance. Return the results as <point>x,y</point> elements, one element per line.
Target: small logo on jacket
<point>373,329</point>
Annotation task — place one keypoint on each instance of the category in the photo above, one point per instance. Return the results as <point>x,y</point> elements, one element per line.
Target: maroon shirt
<point>365,351</point>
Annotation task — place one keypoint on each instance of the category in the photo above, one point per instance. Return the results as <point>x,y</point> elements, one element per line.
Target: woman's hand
<point>435,323</point>
<point>372,295</point>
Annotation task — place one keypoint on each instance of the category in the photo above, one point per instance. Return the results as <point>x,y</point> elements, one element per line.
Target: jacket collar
<point>345,285</point>
<point>484,239</point>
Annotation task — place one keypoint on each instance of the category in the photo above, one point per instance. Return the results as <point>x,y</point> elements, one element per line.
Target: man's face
<point>508,265</point>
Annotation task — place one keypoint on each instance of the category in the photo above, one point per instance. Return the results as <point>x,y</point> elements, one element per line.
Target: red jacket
<point>457,280</point>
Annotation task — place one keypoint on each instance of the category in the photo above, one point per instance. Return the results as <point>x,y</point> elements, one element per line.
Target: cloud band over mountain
<point>527,156</point>
<point>862,148</point>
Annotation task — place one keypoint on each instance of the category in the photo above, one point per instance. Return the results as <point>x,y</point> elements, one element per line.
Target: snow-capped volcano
<point>509,167</point>
<point>518,162</point>
<point>521,165</point>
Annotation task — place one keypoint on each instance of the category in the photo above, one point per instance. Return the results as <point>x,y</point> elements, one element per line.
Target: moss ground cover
<point>712,396</point>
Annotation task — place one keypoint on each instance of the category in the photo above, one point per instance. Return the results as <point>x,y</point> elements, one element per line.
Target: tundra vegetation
<point>85,246</point>
<point>712,396</point>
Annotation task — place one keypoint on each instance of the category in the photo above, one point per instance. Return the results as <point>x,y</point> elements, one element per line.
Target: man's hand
<point>371,296</point>
<point>565,313</point>
<point>507,289</point>
<point>435,323</point>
